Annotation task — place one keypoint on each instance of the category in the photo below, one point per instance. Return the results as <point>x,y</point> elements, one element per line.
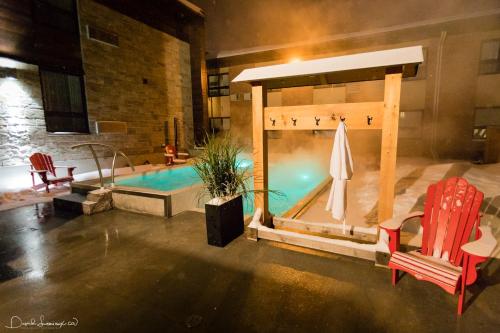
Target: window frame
<point>69,115</point>
<point>482,127</point>
<point>481,62</point>
<point>221,129</point>
<point>218,88</point>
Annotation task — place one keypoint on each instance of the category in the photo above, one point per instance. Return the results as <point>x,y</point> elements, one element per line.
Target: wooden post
<point>389,146</point>
<point>259,102</point>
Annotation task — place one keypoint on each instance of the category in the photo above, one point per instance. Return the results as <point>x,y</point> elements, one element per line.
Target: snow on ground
<point>24,195</point>
<point>413,176</point>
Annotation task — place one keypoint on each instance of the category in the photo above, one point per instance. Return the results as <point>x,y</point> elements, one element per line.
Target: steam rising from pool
<point>294,175</point>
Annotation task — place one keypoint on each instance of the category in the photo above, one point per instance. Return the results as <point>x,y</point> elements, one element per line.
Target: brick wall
<point>115,90</point>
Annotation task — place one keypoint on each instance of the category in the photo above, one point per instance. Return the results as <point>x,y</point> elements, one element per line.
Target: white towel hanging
<point>341,169</point>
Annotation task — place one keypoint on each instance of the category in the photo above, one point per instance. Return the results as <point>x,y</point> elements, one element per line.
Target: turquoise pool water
<point>294,179</point>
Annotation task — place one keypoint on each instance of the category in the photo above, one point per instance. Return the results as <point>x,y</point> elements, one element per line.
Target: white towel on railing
<point>341,168</point>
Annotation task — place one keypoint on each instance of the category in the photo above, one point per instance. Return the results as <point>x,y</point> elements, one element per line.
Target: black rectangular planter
<point>224,221</point>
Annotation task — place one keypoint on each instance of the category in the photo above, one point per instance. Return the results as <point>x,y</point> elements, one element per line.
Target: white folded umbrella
<point>341,168</point>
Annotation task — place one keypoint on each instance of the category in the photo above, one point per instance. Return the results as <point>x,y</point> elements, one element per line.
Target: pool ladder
<point>115,151</point>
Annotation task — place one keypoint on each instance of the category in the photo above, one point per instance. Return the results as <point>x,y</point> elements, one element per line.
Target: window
<point>218,85</point>
<point>490,57</point>
<point>102,36</point>
<point>219,109</point>
<point>410,124</point>
<point>218,124</point>
<point>219,113</point>
<point>484,117</point>
<point>63,102</point>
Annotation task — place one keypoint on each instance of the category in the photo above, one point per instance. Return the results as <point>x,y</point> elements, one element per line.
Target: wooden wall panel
<point>324,116</point>
<point>35,32</point>
<point>16,28</point>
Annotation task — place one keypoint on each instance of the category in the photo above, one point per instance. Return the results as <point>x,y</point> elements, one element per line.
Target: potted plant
<point>224,179</point>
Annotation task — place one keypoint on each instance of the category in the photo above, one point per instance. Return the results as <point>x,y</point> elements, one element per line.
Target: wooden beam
<point>260,180</point>
<point>392,94</point>
<point>326,228</point>
<point>367,115</point>
<point>339,246</point>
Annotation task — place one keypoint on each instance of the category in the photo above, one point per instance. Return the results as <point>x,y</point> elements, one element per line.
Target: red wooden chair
<point>174,157</point>
<point>446,257</point>
<point>42,165</point>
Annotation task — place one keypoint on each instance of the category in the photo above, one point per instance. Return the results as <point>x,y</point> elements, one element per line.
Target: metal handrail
<point>96,159</point>
<point>113,165</point>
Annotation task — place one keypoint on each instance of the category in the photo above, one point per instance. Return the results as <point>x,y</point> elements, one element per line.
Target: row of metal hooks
<point>369,120</point>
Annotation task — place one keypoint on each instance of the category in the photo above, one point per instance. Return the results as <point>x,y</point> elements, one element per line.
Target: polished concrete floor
<point>124,272</point>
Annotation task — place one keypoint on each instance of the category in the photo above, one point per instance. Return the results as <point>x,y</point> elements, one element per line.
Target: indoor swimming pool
<point>294,179</point>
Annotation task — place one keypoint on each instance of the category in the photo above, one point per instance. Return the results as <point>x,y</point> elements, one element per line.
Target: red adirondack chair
<point>446,257</point>
<point>42,165</point>
<point>172,156</point>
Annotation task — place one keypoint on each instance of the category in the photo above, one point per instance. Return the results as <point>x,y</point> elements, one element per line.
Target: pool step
<point>93,202</point>
<point>325,229</point>
<point>81,189</point>
<point>99,194</point>
<point>70,203</point>
<point>99,200</point>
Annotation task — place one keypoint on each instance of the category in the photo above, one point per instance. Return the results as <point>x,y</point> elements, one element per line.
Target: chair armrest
<point>484,246</point>
<point>182,154</point>
<point>41,173</point>
<point>395,223</point>
<point>70,169</point>
<point>38,171</point>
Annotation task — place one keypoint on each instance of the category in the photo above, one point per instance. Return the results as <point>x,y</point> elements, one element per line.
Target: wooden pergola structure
<point>390,65</point>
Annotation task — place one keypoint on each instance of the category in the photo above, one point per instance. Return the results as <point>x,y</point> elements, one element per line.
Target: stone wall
<point>143,82</point>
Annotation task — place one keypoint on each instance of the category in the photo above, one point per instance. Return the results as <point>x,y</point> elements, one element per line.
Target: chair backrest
<point>170,149</point>
<point>41,161</point>
<point>451,212</point>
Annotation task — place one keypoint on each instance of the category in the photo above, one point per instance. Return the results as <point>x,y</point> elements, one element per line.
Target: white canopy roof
<point>369,60</point>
